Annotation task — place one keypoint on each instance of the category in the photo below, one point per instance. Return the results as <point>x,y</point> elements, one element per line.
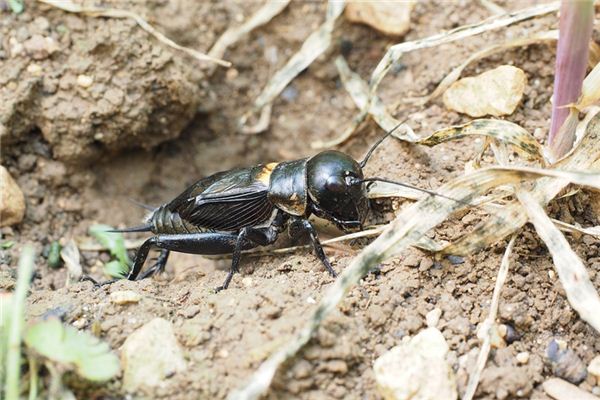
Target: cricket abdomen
<point>164,221</point>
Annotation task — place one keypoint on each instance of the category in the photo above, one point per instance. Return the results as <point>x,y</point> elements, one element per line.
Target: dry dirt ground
<point>79,153</point>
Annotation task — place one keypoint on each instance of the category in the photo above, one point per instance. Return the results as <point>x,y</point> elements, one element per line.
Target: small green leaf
<point>54,260</point>
<point>114,241</point>
<point>63,344</point>
<point>16,6</point>
<point>115,269</point>
<point>7,245</point>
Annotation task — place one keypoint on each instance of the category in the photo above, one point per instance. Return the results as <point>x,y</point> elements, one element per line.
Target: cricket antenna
<point>377,143</point>
<point>406,185</point>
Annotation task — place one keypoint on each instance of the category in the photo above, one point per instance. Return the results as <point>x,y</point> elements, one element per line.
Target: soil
<point>155,122</point>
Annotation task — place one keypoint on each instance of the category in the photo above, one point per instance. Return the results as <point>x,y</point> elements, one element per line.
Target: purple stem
<point>575,32</point>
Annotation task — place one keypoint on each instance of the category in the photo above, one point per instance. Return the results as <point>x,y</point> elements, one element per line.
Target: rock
<point>594,368</point>
<point>125,297</point>
<point>416,369</point>
<point>496,92</point>
<point>12,201</point>
<point>390,18</point>
<point>85,81</point>
<point>562,390</point>
<point>433,317</point>
<point>150,355</point>
<point>40,47</point>
<point>522,357</point>
<point>566,363</point>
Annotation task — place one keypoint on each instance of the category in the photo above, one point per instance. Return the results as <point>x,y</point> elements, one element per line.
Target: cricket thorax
<point>288,187</point>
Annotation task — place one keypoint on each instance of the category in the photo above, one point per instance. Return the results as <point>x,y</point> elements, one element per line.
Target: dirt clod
<point>12,201</point>
<point>150,355</point>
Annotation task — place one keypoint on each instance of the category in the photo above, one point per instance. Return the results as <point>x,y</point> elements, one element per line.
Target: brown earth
<point>61,141</point>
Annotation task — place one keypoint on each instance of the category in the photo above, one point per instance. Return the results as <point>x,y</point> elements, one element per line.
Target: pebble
<point>495,92</point>
<point>247,282</point>
<point>40,47</point>
<point>566,364</point>
<point>523,357</point>
<point>390,18</point>
<point>562,390</point>
<point>125,297</point>
<point>594,368</point>
<point>433,317</point>
<point>85,81</point>
<point>416,369</point>
<point>12,201</point>
<point>150,355</point>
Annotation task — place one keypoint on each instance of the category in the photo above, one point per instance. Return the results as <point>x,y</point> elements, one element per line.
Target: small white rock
<point>310,300</point>
<point>390,18</point>
<point>79,323</point>
<point>433,317</point>
<point>34,69</point>
<point>522,357</point>
<point>247,282</point>
<point>12,201</point>
<point>85,81</point>
<point>496,92</point>
<point>416,369</point>
<point>562,390</point>
<point>150,355</point>
<point>125,297</point>
<point>594,368</point>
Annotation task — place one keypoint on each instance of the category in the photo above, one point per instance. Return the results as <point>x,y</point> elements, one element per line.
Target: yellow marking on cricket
<point>265,175</point>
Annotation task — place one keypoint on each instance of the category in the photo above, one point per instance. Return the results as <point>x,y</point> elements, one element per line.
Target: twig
<point>67,5</point>
<point>13,356</point>
<point>489,322</point>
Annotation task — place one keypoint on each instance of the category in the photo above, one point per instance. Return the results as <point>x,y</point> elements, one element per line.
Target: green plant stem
<point>33,377</point>
<point>572,52</point>
<point>13,356</point>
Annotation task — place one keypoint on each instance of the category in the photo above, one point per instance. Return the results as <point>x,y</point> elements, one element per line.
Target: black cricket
<point>243,208</point>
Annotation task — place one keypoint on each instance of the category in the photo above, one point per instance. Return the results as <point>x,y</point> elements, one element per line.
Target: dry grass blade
<point>512,217</point>
<point>563,226</point>
<point>581,293</point>
<point>548,36</point>
<point>503,131</point>
<point>359,91</point>
<point>69,6</point>
<point>313,46</point>
<point>489,322</point>
<point>488,51</point>
<point>395,52</point>
<point>590,89</point>
<point>265,14</point>
<point>406,230</point>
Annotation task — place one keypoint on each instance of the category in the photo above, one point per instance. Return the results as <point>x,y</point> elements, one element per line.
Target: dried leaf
<point>580,291</point>
<point>496,92</point>
<point>487,325</point>
<point>500,130</point>
<point>313,47</point>
<point>389,18</point>
<point>503,131</point>
<point>508,219</point>
<point>72,258</point>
